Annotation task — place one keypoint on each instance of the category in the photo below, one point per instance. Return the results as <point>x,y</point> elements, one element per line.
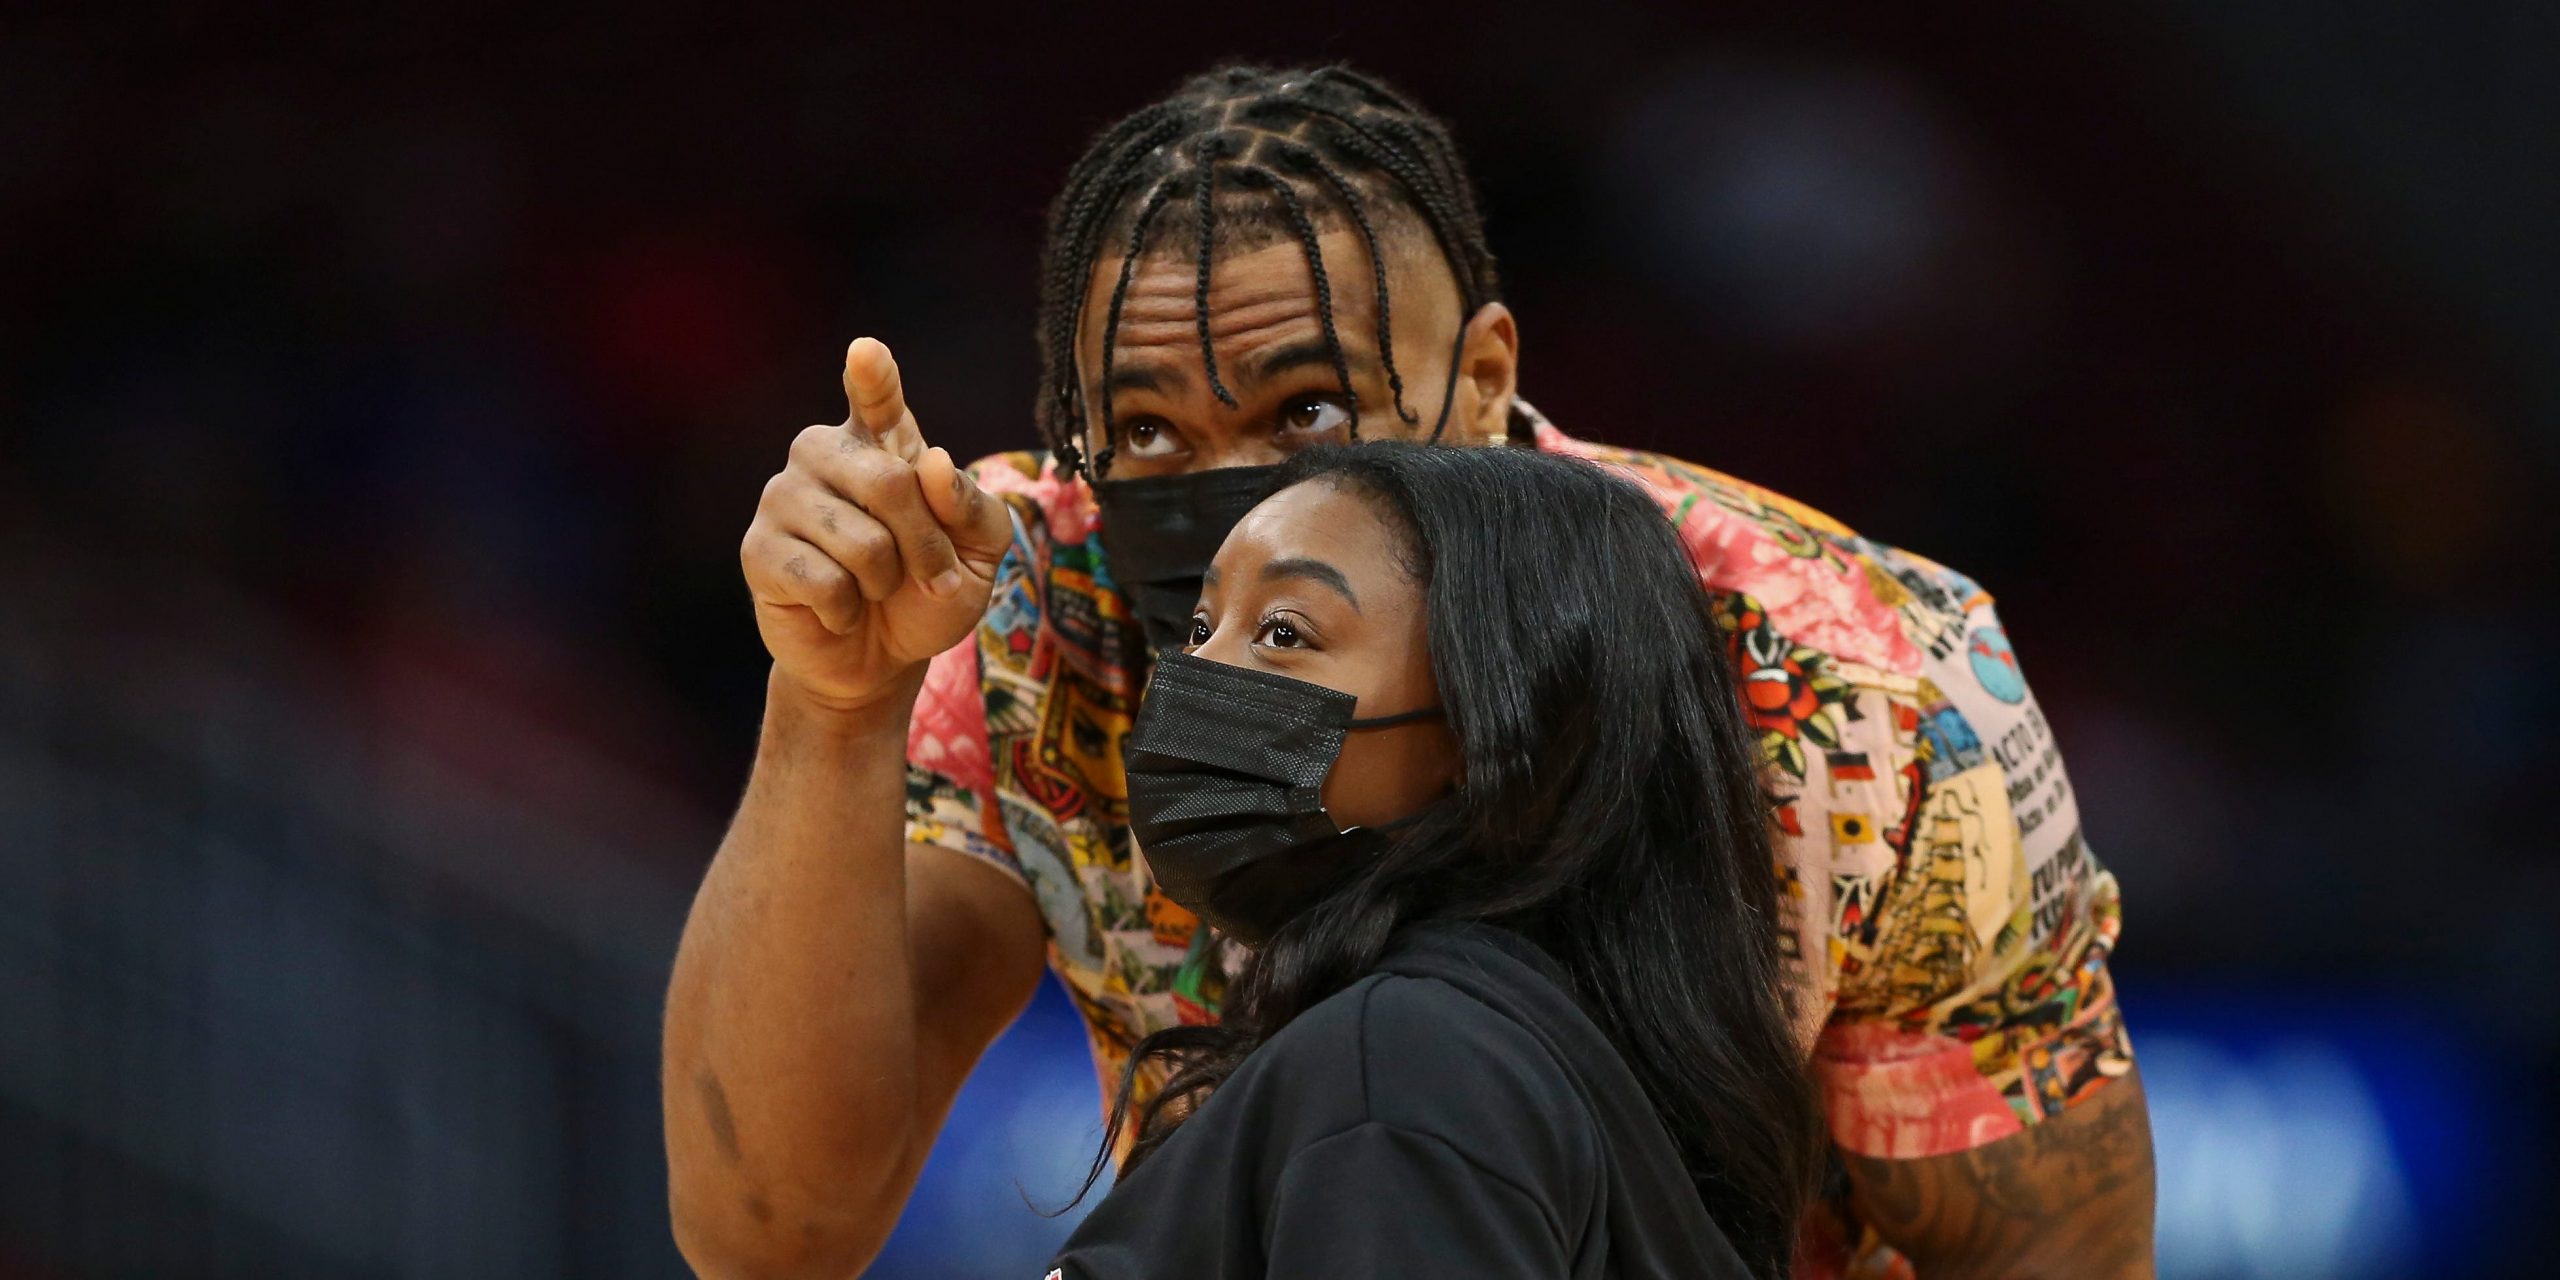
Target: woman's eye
<point>1314,415</point>
<point>1150,438</point>
<point>1278,634</point>
<point>1199,630</point>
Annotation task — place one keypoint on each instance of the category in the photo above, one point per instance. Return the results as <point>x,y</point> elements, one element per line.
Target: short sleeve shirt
<point>1942,910</point>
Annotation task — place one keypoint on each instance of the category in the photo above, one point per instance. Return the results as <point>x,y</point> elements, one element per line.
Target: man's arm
<point>2071,1196</point>
<point>835,985</point>
<point>833,990</point>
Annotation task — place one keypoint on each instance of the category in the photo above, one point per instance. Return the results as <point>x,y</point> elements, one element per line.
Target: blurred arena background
<point>384,389</point>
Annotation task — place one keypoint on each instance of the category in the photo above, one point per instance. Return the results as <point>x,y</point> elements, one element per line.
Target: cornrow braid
<point>1351,203</point>
<point>1376,90</point>
<point>1091,190</point>
<point>1403,115</point>
<point>1203,204</point>
<point>1447,227</point>
<point>1323,142</point>
<point>1120,294</point>
<point>1306,229</point>
<point>1442,217</point>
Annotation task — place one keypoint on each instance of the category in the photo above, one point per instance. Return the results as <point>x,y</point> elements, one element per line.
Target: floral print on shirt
<point>1947,921</point>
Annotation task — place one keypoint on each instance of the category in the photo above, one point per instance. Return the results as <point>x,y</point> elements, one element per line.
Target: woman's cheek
<point>1380,777</point>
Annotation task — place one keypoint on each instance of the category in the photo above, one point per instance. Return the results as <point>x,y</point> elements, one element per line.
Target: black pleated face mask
<point>1226,791</point>
<point>1159,534</point>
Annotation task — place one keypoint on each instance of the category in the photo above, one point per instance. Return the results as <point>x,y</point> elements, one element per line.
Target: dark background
<point>384,389</point>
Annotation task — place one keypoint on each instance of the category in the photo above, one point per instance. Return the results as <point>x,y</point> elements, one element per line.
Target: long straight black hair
<point>1611,810</point>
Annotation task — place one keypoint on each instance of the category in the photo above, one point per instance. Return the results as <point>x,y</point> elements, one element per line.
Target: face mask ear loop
<point>1401,717</point>
<point>1390,827</point>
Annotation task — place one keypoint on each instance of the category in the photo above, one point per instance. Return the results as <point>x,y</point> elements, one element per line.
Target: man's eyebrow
<point>1294,356</point>
<point>1316,571</point>
<point>1143,377</point>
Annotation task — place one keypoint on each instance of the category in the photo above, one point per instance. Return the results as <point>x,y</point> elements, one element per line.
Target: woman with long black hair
<point>1452,747</point>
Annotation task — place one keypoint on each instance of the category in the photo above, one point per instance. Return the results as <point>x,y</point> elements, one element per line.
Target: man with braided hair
<point>1261,261</point>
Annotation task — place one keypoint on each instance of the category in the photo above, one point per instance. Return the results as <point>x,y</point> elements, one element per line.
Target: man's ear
<point>1488,374</point>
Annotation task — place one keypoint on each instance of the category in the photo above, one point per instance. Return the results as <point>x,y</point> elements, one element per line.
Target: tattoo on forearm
<point>2072,1195</point>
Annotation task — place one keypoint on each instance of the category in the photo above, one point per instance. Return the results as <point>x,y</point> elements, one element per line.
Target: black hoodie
<point>1453,1114</point>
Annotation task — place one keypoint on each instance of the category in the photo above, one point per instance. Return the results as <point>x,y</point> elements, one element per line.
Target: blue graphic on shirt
<point>1995,665</point>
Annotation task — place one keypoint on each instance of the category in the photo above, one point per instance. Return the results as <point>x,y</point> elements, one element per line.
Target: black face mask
<point>1161,532</point>
<point>1226,775</point>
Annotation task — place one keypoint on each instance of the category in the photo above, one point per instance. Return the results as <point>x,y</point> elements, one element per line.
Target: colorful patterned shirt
<point>1941,907</point>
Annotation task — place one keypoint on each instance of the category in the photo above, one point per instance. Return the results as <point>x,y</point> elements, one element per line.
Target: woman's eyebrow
<point>1316,571</point>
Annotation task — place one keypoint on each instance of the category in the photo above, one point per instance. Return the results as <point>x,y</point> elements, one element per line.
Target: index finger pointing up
<point>878,399</point>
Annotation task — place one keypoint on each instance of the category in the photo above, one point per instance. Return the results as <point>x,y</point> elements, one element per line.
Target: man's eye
<point>1150,438</point>
<point>1314,415</point>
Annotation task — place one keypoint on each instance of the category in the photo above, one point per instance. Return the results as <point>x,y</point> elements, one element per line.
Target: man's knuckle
<point>880,480</point>
<point>863,468</point>
<point>813,441</point>
<point>871,542</point>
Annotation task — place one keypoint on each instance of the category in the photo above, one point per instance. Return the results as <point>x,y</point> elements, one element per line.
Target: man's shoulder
<point>1776,562</point>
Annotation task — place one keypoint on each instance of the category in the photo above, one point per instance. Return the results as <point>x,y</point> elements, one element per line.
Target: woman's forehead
<point>1315,520</point>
